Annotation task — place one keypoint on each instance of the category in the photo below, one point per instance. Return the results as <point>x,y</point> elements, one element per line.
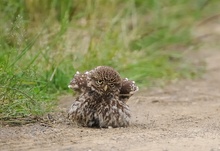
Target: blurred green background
<point>44,42</point>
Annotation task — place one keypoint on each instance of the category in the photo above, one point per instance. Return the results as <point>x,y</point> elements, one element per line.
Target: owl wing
<point>127,90</point>
<point>79,82</point>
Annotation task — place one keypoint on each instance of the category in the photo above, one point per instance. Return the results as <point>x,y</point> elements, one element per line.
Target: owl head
<point>104,80</point>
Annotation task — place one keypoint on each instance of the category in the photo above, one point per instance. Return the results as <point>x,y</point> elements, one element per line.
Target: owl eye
<point>99,82</point>
<point>112,85</point>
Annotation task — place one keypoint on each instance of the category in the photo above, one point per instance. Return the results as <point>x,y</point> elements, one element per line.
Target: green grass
<point>43,43</point>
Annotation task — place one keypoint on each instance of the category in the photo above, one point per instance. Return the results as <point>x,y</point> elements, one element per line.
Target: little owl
<point>102,98</point>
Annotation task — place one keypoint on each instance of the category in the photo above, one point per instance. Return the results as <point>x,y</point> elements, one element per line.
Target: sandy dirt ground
<point>183,116</point>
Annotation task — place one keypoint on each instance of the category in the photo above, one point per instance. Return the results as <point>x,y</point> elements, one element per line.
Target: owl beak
<point>106,87</point>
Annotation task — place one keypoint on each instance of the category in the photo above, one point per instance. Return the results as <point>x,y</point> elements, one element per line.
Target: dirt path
<point>182,116</point>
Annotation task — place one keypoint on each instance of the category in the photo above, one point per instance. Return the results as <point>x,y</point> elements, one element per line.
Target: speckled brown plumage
<point>102,98</point>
